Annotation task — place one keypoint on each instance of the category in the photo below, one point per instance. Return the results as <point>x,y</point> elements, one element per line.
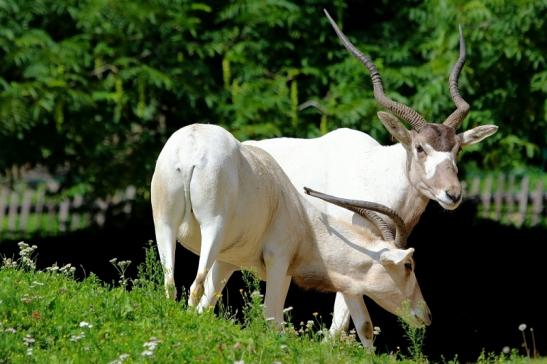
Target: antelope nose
<point>423,316</point>
<point>453,195</point>
<point>426,317</point>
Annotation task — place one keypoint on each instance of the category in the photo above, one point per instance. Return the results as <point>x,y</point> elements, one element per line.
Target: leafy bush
<point>93,88</point>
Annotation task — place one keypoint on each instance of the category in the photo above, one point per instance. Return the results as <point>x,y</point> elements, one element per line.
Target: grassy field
<point>49,317</point>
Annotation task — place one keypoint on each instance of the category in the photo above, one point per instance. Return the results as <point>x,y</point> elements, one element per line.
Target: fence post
<point>130,193</point>
<point>523,201</point>
<point>30,210</point>
<point>509,195</point>
<point>25,209</point>
<point>498,197</point>
<point>40,198</point>
<point>486,195</point>
<point>3,204</point>
<point>76,218</point>
<point>537,203</point>
<point>50,219</point>
<point>63,214</point>
<point>475,187</point>
<point>102,206</point>
<point>12,213</point>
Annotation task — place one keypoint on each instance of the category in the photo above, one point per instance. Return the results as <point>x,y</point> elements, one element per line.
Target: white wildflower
<point>11,330</point>
<point>121,267</point>
<point>352,334</point>
<point>377,331</point>
<point>288,309</point>
<point>152,343</point>
<point>78,337</point>
<point>9,263</point>
<point>25,252</point>
<point>29,351</point>
<point>28,340</point>
<point>124,264</point>
<point>86,324</point>
<point>67,269</point>
<point>150,346</point>
<point>522,327</point>
<point>121,359</point>
<point>256,294</point>
<point>506,350</point>
<point>54,268</point>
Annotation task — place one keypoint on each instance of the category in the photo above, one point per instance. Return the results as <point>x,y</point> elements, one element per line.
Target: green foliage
<point>253,313</point>
<point>92,89</point>
<point>150,272</point>
<point>414,334</point>
<point>504,78</point>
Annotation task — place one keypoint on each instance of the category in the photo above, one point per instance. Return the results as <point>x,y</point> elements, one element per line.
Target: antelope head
<point>391,282</point>
<point>431,148</point>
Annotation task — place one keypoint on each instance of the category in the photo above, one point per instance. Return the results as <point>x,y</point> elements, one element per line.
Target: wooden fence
<point>27,211</point>
<point>509,199</point>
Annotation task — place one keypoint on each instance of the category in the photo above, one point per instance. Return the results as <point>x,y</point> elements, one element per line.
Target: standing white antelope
<point>404,176</point>
<point>234,206</point>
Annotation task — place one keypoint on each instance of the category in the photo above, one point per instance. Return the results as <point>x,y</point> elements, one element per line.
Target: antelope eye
<point>408,266</point>
<point>419,149</point>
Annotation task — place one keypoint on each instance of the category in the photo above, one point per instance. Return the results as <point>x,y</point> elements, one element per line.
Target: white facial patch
<point>434,159</point>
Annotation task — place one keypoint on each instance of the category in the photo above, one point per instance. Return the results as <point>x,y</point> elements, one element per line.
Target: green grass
<point>49,317</point>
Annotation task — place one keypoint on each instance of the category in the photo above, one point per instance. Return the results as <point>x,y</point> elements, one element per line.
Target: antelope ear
<point>477,134</point>
<point>395,256</point>
<point>395,127</point>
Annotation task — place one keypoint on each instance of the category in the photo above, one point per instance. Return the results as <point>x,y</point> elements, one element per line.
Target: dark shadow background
<point>481,279</point>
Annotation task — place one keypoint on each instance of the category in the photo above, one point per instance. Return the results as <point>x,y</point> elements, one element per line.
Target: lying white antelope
<point>234,206</point>
<point>403,176</point>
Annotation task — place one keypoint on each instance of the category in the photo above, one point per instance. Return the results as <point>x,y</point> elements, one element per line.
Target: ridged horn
<point>406,113</point>
<point>361,208</point>
<point>462,107</point>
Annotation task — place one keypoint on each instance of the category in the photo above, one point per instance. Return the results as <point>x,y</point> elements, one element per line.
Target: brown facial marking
<point>440,137</point>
